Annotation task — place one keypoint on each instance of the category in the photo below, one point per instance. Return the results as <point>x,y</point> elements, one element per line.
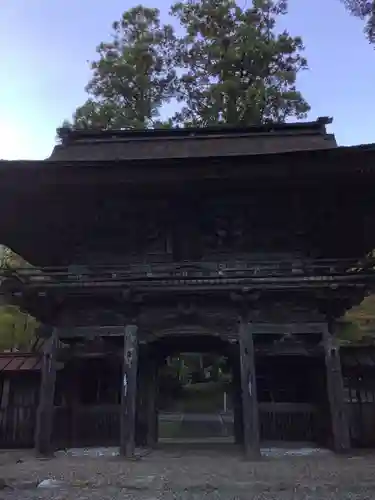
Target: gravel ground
<point>219,474</point>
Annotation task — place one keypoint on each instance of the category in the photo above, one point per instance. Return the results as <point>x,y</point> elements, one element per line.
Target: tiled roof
<point>24,361</point>
<point>12,362</point>
<point>99,145</point>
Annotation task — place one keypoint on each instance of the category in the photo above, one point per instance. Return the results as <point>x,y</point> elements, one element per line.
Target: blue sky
<point>45,46</point>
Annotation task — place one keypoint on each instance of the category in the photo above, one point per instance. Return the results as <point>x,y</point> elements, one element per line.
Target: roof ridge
<point>69,135</point>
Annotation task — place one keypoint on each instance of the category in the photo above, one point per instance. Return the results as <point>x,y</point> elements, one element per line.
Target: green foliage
<point>237,69</point>
<point>229,66</point>
<point>17,329</point>
<point>11,260</point>
<point>365,10</point>
<point>133,75</point>
<point>362,320</point>
<point>349,331</point>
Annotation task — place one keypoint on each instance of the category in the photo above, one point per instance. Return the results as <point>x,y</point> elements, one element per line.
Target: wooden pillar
<point>335,389</point>
<point>152,398</point>
<point>74,402</point>
<point>5,394</point>
<point>238,415</point>
<point>142,403</point>
<point>44,421</point>
<point>234,357</point>
<point>129,392</point>
<point>251,438</point>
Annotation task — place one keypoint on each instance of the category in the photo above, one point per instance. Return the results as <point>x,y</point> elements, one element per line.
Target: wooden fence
<point>100,425</point>
<point>362,424</point>
<point>289,422</point>
<point>87,426</point>
<point>17,426</point>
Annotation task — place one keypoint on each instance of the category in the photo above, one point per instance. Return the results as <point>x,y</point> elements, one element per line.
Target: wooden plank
<point>129,392</point>
<point>167,283</point>
<point>288,349</point>
<point>287,407</point>
<point>44,421</point>
<point>249,392</point>
<point>292,328</point>
<point>335,389</point>
<point>91,331</point>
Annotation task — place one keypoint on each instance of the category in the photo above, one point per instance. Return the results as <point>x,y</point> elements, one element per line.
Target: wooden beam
<point>91,332</point>
<point>249,392</point>
<point>298,328</point>
<point>129,392</point>
<point>335,389</point>
<point>44,421</point>
<point>258,328</point>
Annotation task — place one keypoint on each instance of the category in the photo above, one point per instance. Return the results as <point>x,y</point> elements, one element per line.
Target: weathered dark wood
<point>237,412</point>
<point>288,422</point>
<point>94,425</point>
<point>44,421</point>
<point>17,426</point>
<point>152,400</point>
<point>249,392</point>
<point>335,388</point>
<point>233,355</point>
<point>4,402</point>
<point>146,397</point>
<point>91,331</point>
<point>129,392</point>
<point>225,274</point>
<point>290,328</point>
<point>142,404</point>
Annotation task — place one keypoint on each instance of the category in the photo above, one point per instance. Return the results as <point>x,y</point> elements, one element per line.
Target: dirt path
<point>189,474</point>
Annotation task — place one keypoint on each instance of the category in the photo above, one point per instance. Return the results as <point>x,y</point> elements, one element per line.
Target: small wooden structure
<point>251,242</point>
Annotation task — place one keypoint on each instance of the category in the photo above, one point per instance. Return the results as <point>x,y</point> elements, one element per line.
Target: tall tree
<point>133,76</point>
<point>237,69</point>
<point>230,65</point>
<point>365,10</point>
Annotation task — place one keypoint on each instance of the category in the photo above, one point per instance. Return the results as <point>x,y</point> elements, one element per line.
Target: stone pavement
<point>217,473</point>
<point>198,425</point>
<point>201,426</point>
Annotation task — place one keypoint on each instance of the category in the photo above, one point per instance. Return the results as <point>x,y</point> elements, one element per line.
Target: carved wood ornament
<point>188,318</point>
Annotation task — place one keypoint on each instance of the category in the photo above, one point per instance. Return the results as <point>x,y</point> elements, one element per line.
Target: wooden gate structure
<point>261,237</point>
<point>91,422</point>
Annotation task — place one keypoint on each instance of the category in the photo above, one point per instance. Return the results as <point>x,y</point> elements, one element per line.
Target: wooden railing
<point>288,422</point>
<point>196,273</point>
<point>361,418</point>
